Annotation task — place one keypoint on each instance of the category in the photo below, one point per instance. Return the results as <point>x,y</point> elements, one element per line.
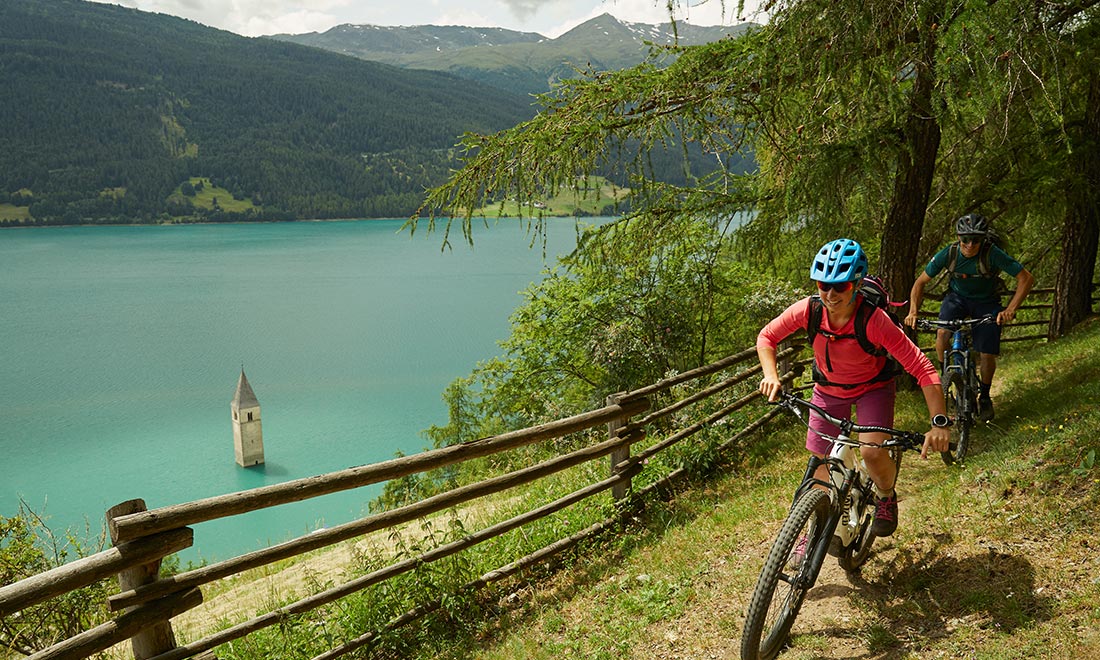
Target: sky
<point>550,18</point>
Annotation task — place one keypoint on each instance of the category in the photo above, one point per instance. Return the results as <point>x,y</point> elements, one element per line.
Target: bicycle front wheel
<point>862,509</point>
<point>784,580</point>
<point>959,408</point>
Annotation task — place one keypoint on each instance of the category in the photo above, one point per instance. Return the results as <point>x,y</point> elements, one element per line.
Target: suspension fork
<point>808,478</point>
<point>836,505</point>
<point>837,510</point>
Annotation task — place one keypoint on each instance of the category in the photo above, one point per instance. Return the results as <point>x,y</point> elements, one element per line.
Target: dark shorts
<point>987,337</point>
<point>873,408</point>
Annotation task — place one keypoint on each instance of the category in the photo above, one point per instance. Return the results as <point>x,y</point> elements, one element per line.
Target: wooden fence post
<point>784,363</point>
<point>157,638</point>
<point>620,490</point>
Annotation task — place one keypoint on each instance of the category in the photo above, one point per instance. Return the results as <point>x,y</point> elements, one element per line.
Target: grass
<point>211,196</point>
<point>13,212</point>
<point>590,198</point>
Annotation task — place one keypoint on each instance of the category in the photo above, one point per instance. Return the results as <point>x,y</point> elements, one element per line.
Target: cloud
<point>249,17</point>
<point>525,9</point>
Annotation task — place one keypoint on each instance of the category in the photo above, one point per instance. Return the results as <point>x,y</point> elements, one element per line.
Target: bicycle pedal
<point>835,548</point>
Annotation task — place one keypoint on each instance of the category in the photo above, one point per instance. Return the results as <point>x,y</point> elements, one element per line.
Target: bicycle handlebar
<point>956,324</point>
<point>904,439</point>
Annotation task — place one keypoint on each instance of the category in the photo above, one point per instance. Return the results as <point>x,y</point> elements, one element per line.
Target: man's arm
<point>1024,281</point>
<point>916,297</point>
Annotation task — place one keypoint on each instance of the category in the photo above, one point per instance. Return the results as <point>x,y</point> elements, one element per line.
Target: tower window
<point>250,416</point>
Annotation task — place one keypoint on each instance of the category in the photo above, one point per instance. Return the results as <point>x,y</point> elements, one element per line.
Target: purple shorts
<point>874,407</point>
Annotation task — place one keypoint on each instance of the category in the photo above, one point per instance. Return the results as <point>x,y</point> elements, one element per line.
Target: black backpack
<point>985,269</point>
<point>875,296</point>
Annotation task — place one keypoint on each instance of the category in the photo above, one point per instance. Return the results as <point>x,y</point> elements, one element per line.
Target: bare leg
<point>987,363</point>
<point>880,464</point>
<point>943,338</point>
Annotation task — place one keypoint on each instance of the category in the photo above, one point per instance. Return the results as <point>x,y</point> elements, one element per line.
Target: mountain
<point>521,62</point>
<point>394,45</point>
<point>115,115</point>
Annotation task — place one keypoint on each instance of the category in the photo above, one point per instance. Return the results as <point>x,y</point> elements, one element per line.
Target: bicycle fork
<point>838,494</point>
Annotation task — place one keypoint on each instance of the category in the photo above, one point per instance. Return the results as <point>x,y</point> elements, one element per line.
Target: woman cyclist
<point>846,375</point>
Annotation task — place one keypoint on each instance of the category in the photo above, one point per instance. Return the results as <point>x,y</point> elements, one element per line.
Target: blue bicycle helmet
<point>841,260</point>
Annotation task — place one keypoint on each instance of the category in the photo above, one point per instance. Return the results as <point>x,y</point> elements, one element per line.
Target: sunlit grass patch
<point>13,212</point>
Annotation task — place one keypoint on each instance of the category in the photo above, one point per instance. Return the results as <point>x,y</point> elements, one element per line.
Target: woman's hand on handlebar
<point>937,440</point>
<point>770,387</point>
<point>911,320</point>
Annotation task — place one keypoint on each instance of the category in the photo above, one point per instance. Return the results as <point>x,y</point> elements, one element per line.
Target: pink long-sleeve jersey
<point>850,363</point>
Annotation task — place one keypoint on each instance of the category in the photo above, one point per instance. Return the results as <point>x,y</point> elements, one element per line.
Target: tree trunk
<point>1073,285</point>
<point>901,232</point>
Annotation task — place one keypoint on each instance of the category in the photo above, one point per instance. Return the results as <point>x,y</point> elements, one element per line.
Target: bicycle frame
<point>810,527</point>
<point>960,357</point>
<point>959,378</point>
<point>846,467</point>
<point>847,471</point>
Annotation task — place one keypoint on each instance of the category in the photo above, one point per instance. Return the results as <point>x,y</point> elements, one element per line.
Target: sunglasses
<point>839,287</point>
<point>970,240</point>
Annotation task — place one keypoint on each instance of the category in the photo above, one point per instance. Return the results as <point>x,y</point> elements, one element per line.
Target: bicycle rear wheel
<point>781,588</point>
<point>961,409</point>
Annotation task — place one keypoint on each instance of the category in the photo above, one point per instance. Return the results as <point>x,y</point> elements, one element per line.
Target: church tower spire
<point>248,435</point>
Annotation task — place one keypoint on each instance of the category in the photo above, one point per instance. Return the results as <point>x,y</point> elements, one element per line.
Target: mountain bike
<point>960,379</point>
<point>836,521</point>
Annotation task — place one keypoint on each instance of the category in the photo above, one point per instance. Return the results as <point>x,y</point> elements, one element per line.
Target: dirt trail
<point>711,628</point>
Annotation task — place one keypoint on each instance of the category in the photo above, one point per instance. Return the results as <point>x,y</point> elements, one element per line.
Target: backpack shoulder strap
<point>863,315</point>
<point>952,257</point>
<point>813,321</point>
<point>984,268</point>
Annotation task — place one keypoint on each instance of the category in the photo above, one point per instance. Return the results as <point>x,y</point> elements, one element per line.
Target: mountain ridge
<point>115,115</point>
<point>522,62</point>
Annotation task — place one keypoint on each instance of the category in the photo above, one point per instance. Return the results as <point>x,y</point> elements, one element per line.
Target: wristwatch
<point>941,421</point>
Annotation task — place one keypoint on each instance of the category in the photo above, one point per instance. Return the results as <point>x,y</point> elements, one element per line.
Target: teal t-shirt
<point>983,289</point>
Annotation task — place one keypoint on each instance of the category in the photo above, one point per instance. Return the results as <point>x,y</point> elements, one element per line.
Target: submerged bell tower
<point>248,435</point>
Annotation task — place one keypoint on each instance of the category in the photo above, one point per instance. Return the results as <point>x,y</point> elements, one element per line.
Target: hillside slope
<point>994,559</point>
<point>108,110</point>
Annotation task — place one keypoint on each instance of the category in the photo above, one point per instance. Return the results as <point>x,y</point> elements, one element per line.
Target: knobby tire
<point>779,594</point>
<point>959,407</point>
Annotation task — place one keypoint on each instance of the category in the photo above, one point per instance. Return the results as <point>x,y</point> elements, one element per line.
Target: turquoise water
<point>120,349</point>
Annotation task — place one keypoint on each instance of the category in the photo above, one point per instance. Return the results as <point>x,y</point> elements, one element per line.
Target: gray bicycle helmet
<point>972,224</point>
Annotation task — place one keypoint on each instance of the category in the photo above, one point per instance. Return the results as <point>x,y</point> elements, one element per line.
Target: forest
<point>883,123</point>
<point>107,111</point>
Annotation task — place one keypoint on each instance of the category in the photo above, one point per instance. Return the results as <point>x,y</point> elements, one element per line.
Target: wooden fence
<point>141,538</point>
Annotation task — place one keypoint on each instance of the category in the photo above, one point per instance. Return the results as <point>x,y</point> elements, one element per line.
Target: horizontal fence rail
<point>129,527</point>
<point>142,538</point>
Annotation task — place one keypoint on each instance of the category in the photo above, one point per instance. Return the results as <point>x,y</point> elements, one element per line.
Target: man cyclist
<point>848,376</point>
<point>974,265</point>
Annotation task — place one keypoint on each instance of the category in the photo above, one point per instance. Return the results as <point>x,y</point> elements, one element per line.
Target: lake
<point>121,348</point>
